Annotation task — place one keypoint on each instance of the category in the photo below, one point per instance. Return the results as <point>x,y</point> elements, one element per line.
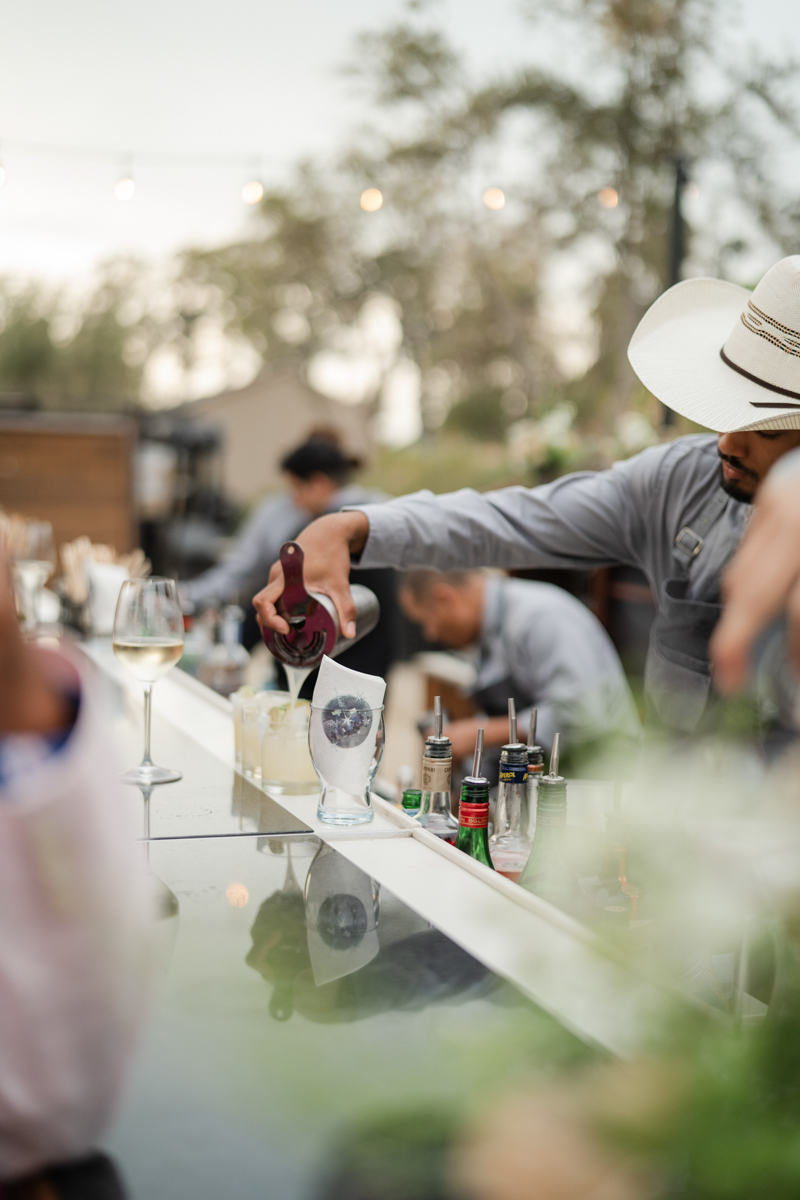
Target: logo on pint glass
<point>346,721</point>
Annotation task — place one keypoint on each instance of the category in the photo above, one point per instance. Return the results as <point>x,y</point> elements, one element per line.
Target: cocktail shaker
<point>312,618</point>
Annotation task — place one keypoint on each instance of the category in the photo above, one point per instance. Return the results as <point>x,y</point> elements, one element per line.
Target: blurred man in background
<point>319,480</point>
<point>74,925</point>
<point>535,643</point>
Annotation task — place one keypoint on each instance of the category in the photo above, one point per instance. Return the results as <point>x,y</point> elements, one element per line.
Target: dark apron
<point>678,673</point>
<point>678,670</point>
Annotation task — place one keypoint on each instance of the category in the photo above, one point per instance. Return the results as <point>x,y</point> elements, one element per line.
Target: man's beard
<point>734,491</point>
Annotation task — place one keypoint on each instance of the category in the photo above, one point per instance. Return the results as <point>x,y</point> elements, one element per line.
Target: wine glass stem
<point>148,692</point>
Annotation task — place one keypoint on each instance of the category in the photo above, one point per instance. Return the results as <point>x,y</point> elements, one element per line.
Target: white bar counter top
<point>552,959</point>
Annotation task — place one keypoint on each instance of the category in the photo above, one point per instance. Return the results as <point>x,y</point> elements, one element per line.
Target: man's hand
<point>29,703</point>
<point>327,544</point>
<point>762,579</point>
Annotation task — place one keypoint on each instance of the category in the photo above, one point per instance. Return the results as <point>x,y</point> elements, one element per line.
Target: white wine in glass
<point>148,639</point>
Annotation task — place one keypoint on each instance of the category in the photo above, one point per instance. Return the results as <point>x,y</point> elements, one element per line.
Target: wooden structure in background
<point>73,470</point>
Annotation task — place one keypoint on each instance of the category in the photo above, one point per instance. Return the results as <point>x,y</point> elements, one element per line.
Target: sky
<point>200,77</point>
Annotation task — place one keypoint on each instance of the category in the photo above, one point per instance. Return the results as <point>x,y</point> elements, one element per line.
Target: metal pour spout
<point>512,720</point>
<point>532,728</point>
<point>478,757</point>
<point>554,755</point>
<point>437,716</point>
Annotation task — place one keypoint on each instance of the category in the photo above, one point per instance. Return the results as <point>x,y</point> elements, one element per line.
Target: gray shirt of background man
<point>630,514</point>
<point>551,651</point>
<point>246,567</point>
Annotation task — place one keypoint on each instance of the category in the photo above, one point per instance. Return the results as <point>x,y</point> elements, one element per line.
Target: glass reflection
<point>165,902</point>
<point>336,951</point>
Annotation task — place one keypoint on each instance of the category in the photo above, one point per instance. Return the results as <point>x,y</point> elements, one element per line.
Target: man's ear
<point>441,592</point>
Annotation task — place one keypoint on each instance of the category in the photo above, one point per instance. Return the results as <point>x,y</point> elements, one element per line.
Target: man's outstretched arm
<point>763,578</point>
<point>584,520</point>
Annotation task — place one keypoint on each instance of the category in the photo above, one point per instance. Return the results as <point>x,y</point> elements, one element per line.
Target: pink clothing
<point>74,946</point>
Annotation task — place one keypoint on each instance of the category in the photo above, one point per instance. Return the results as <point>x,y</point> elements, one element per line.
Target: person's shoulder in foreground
<point>74,910</point>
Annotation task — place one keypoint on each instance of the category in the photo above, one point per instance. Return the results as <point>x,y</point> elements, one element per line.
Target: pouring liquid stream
<point>296,677</point>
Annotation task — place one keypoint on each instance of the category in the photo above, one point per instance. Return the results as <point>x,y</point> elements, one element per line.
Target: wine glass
<point>148,639</point>
<point>34,561</point>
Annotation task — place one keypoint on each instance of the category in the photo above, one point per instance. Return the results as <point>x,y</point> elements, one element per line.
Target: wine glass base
<point>149,776</point>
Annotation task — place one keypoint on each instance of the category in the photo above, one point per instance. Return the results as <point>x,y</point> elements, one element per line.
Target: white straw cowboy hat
<point>725,357</point>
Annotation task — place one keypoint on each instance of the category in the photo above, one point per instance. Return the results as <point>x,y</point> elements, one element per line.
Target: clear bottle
<point>548,873</point>
<point>535,769</point>
<point>222,667</point>
<point>510,845</point>
<point>435,813</point>
<point>473,812</point>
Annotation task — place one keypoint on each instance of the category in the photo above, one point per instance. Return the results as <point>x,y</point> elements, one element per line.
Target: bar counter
<point>267,1044</point>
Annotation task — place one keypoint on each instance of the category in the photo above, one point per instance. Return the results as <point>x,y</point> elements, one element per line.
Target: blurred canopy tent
<point>262,422</point>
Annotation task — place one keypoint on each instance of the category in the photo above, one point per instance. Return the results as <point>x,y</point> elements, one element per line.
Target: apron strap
<point>690,541</point>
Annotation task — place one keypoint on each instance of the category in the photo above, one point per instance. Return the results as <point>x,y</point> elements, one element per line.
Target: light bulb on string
<point>371,200</point>
<point>494,198</point>
<point>608,197</point>
<point>125,186</point>
<point>2,175</point>
<point>253,191</point>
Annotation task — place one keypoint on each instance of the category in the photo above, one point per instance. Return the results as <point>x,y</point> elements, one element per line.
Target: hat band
<point>771,387</point>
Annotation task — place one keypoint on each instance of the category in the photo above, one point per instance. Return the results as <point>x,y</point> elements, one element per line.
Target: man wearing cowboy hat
<point>716,353</point>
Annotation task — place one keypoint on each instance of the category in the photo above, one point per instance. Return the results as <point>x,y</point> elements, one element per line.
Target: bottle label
<point>545,816</point>
<point>513,774</point>
<point>436,774</point>
<point>473,816</point>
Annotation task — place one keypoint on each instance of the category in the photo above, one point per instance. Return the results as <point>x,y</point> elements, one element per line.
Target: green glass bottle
<point>412,798</point>
<point>473,812</point>
<point>548,873</point>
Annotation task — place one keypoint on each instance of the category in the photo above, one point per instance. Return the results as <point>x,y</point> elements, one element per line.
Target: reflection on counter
<point>337,951</point>
<point>258,813</point>
<point>165,902</point>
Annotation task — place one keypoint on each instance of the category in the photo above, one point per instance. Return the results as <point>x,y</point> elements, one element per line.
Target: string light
<point>494,198</point>
<point>371,200</point>
<point>253,192</point>
<point>608,197</point>
<point>124,188</point>
<point>692,191</point>
<point>2,175</point>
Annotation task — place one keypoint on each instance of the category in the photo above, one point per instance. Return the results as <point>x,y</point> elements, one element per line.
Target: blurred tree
<point>636,86</point>
<point>62,354</point>
<point>27,353</point>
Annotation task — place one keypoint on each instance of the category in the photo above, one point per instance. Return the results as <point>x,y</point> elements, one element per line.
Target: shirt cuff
<point>383,544</point>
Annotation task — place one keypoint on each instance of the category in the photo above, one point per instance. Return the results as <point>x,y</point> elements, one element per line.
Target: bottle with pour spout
<point>548,873</point>
<point>473,811</point>
<point>435,813</point>
<point>535,768</point>
<point>312,618</point>
<point>510,845</point>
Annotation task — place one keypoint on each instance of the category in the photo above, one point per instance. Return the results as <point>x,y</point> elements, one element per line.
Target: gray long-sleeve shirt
<point>247,566</point>
<point>549,650</point>
<point>630,514</point>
